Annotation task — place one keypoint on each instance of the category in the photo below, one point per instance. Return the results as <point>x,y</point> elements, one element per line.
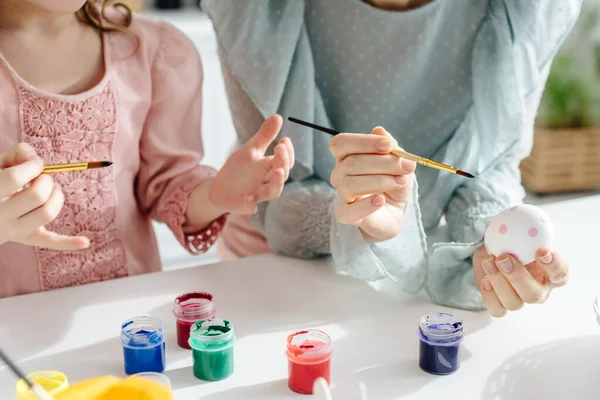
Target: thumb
<point>266,134</point>
<point>16,155</point>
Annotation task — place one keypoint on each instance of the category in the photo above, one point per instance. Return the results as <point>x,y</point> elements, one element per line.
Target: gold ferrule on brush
<point>55,168</point>
<point>437,165</point>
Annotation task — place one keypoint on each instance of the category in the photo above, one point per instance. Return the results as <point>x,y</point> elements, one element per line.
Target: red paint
<point>309,358</point>
<point>188,309</point>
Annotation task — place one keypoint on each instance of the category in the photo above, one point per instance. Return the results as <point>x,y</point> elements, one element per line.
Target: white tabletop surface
<point>541,352</point>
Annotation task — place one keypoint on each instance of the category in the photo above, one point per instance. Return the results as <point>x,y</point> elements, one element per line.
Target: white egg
<point>521,231</point>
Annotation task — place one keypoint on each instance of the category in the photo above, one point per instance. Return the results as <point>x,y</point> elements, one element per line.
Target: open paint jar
<point>143,345</point>
<point>53,382</point>
<point>309,358</point>
<point>440,336</point>
<point>188,309</point>
<point>212,349</point>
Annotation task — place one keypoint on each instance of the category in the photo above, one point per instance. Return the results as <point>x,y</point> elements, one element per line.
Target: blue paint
<point>440,336</point>
<point>143,345</point>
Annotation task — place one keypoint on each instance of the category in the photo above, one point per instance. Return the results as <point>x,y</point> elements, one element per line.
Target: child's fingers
<point>291,152</point>
<point>14,178</point>
<point>17,155</point>
<point>354,213</point>
<point>31,198</point>
<point>266,134</point>
<point>272,189</point>
<point>44,214</point>
<point>51,240</point>
<point>490,299</point>
<point>282,160</point>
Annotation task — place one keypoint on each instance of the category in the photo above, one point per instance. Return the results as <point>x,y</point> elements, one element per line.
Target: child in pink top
<point>83,81</point>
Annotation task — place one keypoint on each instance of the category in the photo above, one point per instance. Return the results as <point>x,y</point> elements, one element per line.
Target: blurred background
<point>565,160</point>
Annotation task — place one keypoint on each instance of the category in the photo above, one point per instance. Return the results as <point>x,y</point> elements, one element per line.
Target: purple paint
<point>440,336</point>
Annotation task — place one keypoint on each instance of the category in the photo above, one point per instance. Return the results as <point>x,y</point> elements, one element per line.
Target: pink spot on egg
<point>513,208</point>
<point>533,232</point>
<point>503,229</point>
<point>543,220</point>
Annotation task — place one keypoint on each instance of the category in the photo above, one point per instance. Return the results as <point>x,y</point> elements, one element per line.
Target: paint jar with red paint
<point>188,309</point>
<point>309,357</point>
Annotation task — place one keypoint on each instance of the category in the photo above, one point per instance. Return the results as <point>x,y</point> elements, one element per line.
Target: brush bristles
<point>99,164</point>
<point>463,173</point>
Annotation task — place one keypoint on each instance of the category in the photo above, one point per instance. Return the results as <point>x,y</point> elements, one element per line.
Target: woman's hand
<point>374,185</point>
<point>506,284</point>
<point>249,177</point>
<point>30,200</point>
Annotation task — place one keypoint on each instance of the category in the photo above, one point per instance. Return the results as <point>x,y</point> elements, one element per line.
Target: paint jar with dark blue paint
<point>440,336</point>
<point>143,345</point>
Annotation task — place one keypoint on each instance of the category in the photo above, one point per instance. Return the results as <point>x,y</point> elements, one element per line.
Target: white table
<point>541,352</point>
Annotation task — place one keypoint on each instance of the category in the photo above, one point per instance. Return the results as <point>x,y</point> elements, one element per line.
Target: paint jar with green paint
<point>212,349</point>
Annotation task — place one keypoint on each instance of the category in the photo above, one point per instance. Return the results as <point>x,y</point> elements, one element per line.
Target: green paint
<point>212,349</point>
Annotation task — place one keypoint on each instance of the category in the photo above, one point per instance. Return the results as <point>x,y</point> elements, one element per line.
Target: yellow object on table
<point>53,382</point>
<point>112,388</point>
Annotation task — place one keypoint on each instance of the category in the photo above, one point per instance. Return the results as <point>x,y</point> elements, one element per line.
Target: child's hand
<point>506,284</point>
<point>248,177</point>
<point>30,200</point>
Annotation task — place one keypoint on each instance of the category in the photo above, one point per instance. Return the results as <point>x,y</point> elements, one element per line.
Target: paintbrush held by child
<point>85,81</point>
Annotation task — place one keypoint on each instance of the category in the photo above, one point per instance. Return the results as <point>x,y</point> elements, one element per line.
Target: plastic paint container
<point>53,382</point>
<point>212,349</point>
<point>188,309</point>
<point>154,377</point>
<point>440,336</point>
<point>143,345</point>
<point>309,358</point>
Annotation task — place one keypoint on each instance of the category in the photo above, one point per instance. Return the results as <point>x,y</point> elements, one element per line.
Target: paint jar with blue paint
<point>212,349</point>
<point>143,345</point>
<point>440,337</point>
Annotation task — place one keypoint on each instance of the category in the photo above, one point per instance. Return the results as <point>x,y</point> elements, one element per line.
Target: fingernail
<point>377,201</point>
<point>383,145</point>
<point>505,264</point>
<point>400,179</point>
<point>408,165</point>
<point>489,265</point>
<point>487,285</point>
<point>546,258</point>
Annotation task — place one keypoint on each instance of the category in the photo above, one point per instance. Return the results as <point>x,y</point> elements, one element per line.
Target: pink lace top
<point>145,117</point>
